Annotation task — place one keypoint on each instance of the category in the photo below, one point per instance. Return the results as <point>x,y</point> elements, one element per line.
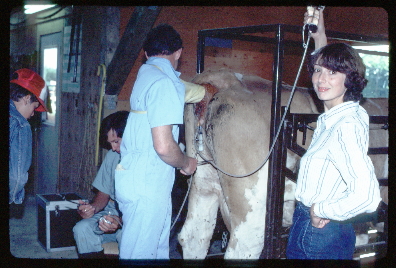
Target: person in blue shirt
<point>88,237</point>
<point>90,233</point>
<point>149,149</point>
<point>26,96</point>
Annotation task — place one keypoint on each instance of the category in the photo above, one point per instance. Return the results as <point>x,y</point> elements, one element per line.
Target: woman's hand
<point>320,35</point>
<point>316,221</point>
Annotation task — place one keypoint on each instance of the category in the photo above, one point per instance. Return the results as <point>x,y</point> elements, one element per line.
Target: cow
<point>236,130</point>
<point>379,137</point>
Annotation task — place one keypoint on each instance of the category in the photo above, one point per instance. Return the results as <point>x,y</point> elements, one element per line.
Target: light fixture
<point>367,255</point>
<point>30,9</point>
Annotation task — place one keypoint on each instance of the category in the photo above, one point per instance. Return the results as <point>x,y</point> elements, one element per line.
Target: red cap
<point>34,83</point>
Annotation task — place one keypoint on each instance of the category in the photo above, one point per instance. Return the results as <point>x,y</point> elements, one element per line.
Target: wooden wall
<point>249,58</point>
<point>79,111</point>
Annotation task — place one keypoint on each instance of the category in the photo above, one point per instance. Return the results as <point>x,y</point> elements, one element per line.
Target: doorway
<point>48,136</point>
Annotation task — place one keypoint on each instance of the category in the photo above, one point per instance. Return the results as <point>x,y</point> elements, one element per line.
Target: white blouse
<point>336,173</point>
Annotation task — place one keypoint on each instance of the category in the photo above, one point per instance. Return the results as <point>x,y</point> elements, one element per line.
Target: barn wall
<point>245,57</point>
<point>79,111</point>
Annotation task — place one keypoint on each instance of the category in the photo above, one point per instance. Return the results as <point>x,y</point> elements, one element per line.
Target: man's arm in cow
<point>194,92</point>
<point>319,36</point>
<point>87,210</point>
<point>169,152</point>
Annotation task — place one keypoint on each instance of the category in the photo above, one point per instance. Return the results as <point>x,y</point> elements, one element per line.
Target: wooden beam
<point>141,22</point>
<point>79,111</point>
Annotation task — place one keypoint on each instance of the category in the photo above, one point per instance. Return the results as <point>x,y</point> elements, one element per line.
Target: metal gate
<point>275,236</point>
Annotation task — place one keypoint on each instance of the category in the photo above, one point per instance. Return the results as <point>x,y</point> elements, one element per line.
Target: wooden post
<point>141,22</point>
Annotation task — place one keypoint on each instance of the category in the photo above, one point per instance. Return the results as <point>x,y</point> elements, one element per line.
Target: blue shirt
<point>336,173</point>
<point>104,180</point>
<point>20,157</point>
<point>158,92</point>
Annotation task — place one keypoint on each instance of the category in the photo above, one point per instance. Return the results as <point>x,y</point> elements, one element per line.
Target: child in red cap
<point>26,96</point>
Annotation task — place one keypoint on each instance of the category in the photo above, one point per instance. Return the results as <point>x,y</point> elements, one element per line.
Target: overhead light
<point>30,9</point>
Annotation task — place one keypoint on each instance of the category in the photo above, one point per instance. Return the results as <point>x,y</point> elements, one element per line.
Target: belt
<point>138,112</point>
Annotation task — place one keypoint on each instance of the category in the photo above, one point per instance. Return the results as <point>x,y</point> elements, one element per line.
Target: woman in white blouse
<point>336,180</point>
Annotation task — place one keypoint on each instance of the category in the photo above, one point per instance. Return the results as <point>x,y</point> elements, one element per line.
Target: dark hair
<point>343,58</point>
<point>162,40</point>
<point>116,121</point>
<point>17,92</point>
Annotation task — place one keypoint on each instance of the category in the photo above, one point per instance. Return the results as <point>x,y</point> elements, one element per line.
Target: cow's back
<point>239,116</point>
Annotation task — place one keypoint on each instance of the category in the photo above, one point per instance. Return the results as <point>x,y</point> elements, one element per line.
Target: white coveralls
<point>143,182</point>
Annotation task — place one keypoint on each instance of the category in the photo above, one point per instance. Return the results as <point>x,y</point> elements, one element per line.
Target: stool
<point>110,250</point>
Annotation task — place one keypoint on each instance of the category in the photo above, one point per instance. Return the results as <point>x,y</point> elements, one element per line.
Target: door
<point>48,138</point>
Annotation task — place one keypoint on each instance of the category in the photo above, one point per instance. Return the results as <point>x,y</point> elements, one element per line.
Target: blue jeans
<point>87,240</point>
<point>334,241</point>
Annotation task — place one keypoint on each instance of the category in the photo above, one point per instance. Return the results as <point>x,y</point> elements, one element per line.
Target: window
<point>377,70</point>
<point>50,68</point>
<point>49,75</point>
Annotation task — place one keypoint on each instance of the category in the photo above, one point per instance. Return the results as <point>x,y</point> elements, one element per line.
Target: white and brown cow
<point>237,133</point>
<point>378,138</point>
<point>236,130</point>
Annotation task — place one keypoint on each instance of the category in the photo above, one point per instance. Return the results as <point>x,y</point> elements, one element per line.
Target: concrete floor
<point>23,230</point>
<point>24,244</point>
<point>23,235</point>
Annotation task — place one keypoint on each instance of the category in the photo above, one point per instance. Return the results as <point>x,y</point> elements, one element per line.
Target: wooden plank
<point>79,111</point>
<point>142,20</point>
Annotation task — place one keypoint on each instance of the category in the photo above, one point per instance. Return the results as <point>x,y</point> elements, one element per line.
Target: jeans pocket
<point>326,242</point>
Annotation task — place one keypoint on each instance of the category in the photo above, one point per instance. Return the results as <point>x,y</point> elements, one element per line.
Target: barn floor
<point>24,244</point>
<point>23,230</point>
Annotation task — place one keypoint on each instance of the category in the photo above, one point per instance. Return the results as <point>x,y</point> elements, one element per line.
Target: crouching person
<point>91,232</point>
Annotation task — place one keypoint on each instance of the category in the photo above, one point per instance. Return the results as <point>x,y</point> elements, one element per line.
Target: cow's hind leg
<point>203,204</point>
<point>247,230</point>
